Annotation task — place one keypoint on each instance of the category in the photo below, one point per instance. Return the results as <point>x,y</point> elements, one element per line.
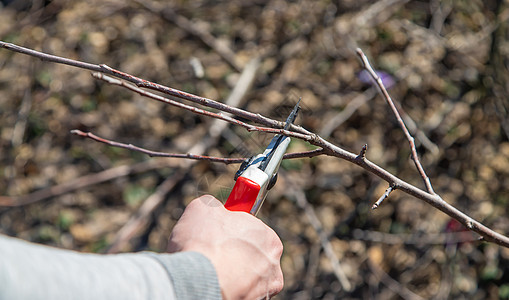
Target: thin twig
<point>433,199</point>
<point>257,118</point>
<point>156,153</point>
<point>227,161</point>
<point>387,97</point>
<point>382,198</point>
<point>196,110</point>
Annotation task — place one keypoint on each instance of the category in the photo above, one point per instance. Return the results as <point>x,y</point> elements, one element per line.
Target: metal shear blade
<point>279,138</point>
<point>258,174</point>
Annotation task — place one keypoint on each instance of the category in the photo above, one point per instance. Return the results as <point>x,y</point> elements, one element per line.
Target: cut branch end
<point>382,198</point>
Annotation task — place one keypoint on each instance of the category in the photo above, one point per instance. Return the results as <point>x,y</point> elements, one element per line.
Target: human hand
<point>245,252</point>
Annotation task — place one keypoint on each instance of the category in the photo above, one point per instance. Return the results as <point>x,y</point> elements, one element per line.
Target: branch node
<point>470,224</point>
<point>362,154</point>
<point>314,138</point>
<point>105,67</point>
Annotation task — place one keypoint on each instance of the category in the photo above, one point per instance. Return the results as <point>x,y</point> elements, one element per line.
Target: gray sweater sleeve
<point>30,271</point>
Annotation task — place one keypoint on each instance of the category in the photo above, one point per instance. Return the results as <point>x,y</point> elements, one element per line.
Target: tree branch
<point>382,198</point>
<point>196,110</point>
<point>227,161</point>
<point>102,68</point>
<point>387,97</point>
<point>298,132</point>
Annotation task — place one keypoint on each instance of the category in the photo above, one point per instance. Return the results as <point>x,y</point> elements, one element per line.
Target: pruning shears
<point>258,174</point>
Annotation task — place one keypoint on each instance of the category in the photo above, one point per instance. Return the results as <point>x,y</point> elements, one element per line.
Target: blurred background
<point>445,62</point>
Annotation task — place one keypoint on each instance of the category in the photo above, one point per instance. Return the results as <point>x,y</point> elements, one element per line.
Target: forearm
<point>29,271</point>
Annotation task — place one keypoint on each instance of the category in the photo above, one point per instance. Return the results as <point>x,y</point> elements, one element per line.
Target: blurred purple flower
<point>387,79</point>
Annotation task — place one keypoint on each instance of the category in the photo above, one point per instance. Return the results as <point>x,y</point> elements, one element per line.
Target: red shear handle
<point>243,195</point>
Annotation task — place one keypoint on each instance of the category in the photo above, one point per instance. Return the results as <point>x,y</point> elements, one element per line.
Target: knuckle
<point>278,247</point>
<point>279,281</point>
<point>205,200</point>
